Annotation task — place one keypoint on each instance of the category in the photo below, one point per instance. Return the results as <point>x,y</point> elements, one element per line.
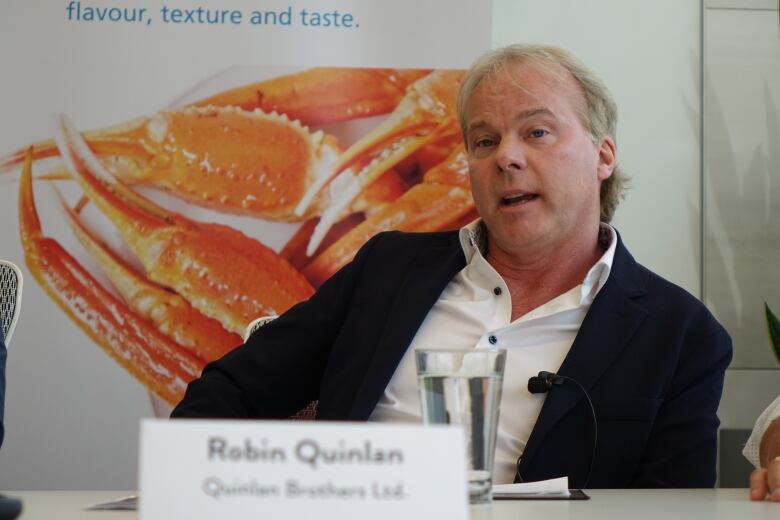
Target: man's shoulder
<point>657,285</point>
<point>636,279</point>
<point>672,302</point>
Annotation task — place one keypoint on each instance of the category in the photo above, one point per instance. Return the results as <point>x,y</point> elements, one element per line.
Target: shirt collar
<point>598,274</point>
<point>473,240</point>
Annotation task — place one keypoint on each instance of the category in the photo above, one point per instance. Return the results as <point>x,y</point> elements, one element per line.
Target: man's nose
<point>510,156</point>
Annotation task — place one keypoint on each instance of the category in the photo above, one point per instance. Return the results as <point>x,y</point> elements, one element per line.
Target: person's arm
<point>682,448</point>
<point>277,372</point>
<point>770,443</point>
<point>765,480</point>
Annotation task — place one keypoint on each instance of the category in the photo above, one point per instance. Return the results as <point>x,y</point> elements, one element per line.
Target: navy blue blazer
<point>649,354</point>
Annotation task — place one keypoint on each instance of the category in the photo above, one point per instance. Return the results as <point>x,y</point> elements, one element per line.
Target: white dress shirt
<point>751,450</point>
<point>474,311</point>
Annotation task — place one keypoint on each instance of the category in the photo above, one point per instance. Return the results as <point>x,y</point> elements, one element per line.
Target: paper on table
<point>552,487</point>
<point>129,503</point>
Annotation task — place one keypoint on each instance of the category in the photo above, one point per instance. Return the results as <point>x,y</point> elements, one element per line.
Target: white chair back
<point>257,323</point>
<point>10,298</point>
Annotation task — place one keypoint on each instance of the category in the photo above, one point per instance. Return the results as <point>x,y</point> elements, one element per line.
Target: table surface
<point>605,504</point>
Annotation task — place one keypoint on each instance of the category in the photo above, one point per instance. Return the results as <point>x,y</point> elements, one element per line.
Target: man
<point>541,274</point>
<point>763,451</point>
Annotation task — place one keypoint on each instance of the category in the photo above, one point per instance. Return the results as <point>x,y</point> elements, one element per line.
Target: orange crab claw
<point>159,363</point>
<point>426,114</point>
<point>314,96</point>
<point>227,159</point>
<point>440,202</point>
<point>170,313</point>
<point>323,95</point>
<point>242,162</point>
<point>186,256</point>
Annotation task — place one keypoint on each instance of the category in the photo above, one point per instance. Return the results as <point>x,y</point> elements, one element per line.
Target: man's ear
<point>607,158</point>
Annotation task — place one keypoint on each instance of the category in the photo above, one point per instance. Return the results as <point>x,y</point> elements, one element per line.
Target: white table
<point>669,504</point>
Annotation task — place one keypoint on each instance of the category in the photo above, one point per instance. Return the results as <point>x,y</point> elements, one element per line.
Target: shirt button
<point>497,291</point>
<point>493,340</point>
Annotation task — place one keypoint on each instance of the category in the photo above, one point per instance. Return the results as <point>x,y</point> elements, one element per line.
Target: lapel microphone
<point>543,383</point>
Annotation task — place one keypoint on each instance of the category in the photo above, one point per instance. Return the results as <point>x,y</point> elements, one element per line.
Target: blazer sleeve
<point>278,371</point>
<point>682,448</point>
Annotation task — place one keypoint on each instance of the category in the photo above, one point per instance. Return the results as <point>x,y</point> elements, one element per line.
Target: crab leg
<point>126,139</point>
<point>159,363</point>
<point>426,113</point>
<point>440,201</point>
<point>170,313</point>
<point>323,95</point>
<point>186,256</point>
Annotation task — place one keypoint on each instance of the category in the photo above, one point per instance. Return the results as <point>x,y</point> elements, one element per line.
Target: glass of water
<point>464,387</point>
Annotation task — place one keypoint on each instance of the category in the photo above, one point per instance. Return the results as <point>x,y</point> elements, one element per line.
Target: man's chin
<point>516,239</point>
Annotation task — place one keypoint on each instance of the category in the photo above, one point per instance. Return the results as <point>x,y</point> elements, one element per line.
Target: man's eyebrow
<point>479,123</point>
<point>525,114</point>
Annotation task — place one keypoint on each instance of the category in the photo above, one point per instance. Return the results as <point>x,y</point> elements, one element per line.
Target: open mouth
<point>518,198</point>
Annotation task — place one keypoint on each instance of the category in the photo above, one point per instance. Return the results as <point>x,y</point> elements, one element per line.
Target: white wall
<point>742,216</point>
<point>648,53</point>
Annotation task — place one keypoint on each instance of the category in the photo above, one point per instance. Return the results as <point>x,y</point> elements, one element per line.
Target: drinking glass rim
<point>463,350</point>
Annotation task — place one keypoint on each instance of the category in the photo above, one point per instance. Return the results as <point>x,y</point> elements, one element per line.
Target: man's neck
<point>536,277</point>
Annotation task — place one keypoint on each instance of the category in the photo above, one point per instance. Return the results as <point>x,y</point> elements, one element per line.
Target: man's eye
<point>538,132</point>
<point>483,142</point>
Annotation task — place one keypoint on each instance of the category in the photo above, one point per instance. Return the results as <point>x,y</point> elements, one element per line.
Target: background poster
<point>105,63</point>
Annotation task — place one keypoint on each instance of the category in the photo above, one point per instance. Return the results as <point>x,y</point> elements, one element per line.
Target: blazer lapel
<point>433,268</point>
<point>608,327</point>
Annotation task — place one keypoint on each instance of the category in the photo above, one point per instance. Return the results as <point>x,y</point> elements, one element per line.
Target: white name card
<point>199,469</point>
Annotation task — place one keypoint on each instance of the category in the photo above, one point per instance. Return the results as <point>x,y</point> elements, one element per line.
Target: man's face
<point>535,171</point>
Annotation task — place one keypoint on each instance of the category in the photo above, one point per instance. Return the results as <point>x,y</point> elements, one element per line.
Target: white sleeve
<point>750,450</point>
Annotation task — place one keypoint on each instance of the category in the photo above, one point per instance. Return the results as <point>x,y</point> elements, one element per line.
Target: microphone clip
<point>543,382</point>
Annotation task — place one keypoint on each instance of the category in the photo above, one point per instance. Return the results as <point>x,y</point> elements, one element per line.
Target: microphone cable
<point>543,383</point>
